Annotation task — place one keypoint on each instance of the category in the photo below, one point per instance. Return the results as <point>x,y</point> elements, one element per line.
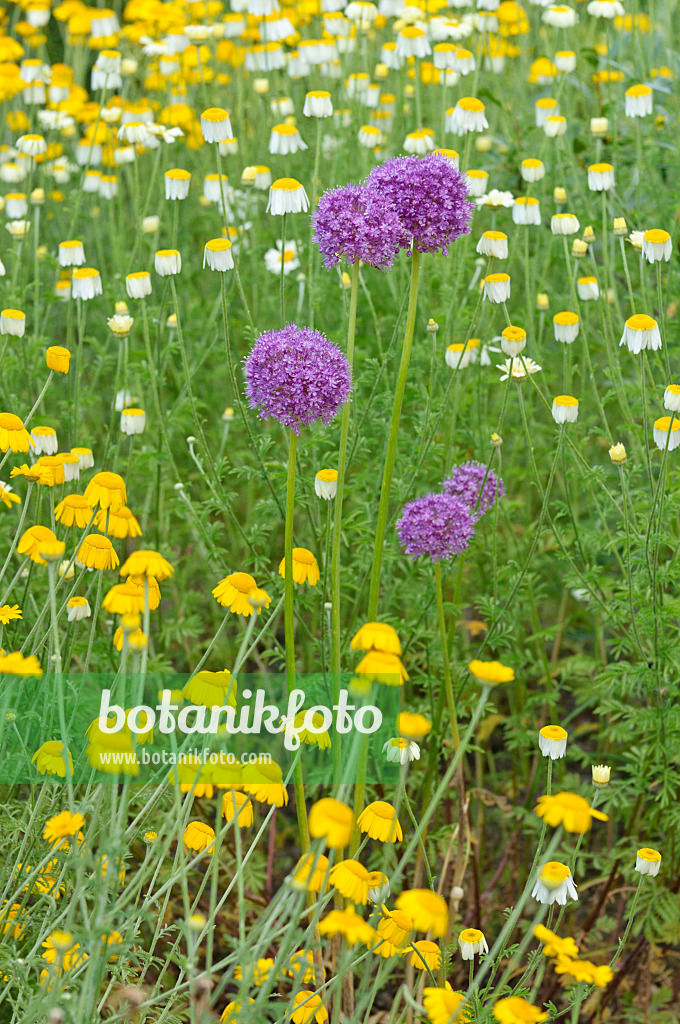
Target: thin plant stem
<point>289,626</point>
<point>392,439</point>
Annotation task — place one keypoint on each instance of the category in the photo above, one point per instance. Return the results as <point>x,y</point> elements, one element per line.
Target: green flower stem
<point>445,657</point>
<point>238,396</point>
<point>662,318</point>
<point>631,916</point>
<point>312,252</point>
<point>392,440</point>
<point>154,388</point>
<point>289,626</point>
<point>17,536</point>
<point>586,349</point>
<point>494,957</point>
<point>283,271</point>
<point>146,624</point>
<point>337,522</point>
<point>51,575</point>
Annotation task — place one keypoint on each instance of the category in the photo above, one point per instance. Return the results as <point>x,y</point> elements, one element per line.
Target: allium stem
<point>337,521</point>
<point>392,440</point>
<point>445,655</point>
<point>288,612</point>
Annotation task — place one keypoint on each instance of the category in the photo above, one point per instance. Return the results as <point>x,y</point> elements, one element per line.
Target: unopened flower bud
<point>617,453</point>
<point>496,440</point>
<point>620,226</point>
<point>432,326</point>
<point>588,234</point>
<point>601,773</point>
<point>560,194</point>
<point>542,301</point>
<point>599,126</point>
<point>579,248</point>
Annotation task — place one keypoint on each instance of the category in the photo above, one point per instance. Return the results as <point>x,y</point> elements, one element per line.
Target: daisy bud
<point>599,126</point>
<point>620,226</point>
<point>601,773</point>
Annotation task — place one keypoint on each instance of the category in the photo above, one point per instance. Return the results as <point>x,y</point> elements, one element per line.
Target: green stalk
<point>289,624</point>
<point>337,522</point>
<point>445,656</point>
<point>283,270</point>
<point>392,440</point>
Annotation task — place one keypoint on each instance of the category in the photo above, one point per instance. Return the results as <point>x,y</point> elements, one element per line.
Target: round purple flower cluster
<point>356,222</point>
<point>430,197</point>
<point>297,376</point>
<point>467,483</point>
<point>438,525</point>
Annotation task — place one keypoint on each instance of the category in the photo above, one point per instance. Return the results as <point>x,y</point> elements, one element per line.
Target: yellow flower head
<point>305,567</point>
<point>62,825</point>
<point>350,878</point>
<point>584,970</point>
<point>73,511</point>
<point>377,666</point>
<point>9,612</point>
<point>307,1007</point>
<point>32,540</point>
<point>332,821</point>
<point>413,727</point>
<point>443,1006</point>
<point>568,809</point>
<point>16,664</point>
<point>310,873</point>
<point>491,672</point>
<point>379,820</point>
<point>553,945</point>
<point>96,552</point>
<point>13,434</point>
<point>427,910</point>
<point>240,804</point>
<point>211,688</point>
<point>199,837</point>
<point>426,955</point>
<point>49,759</point>
<point>146,563</point>
<point>232,593</point>
<point>121,523</point>
<point>515,1010</point>
<point>349,924</point>
<point>376,636</point>
<point>106,490</point>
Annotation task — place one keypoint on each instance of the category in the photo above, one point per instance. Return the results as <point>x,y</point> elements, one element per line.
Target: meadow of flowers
<point>339,356</point>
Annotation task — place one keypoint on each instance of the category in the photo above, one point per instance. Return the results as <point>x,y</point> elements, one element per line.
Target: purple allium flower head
<point>466,482</point>
<point>437,525</point>
<point>430,197</point>
<point>357,222</point>
<point>297,376</point>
